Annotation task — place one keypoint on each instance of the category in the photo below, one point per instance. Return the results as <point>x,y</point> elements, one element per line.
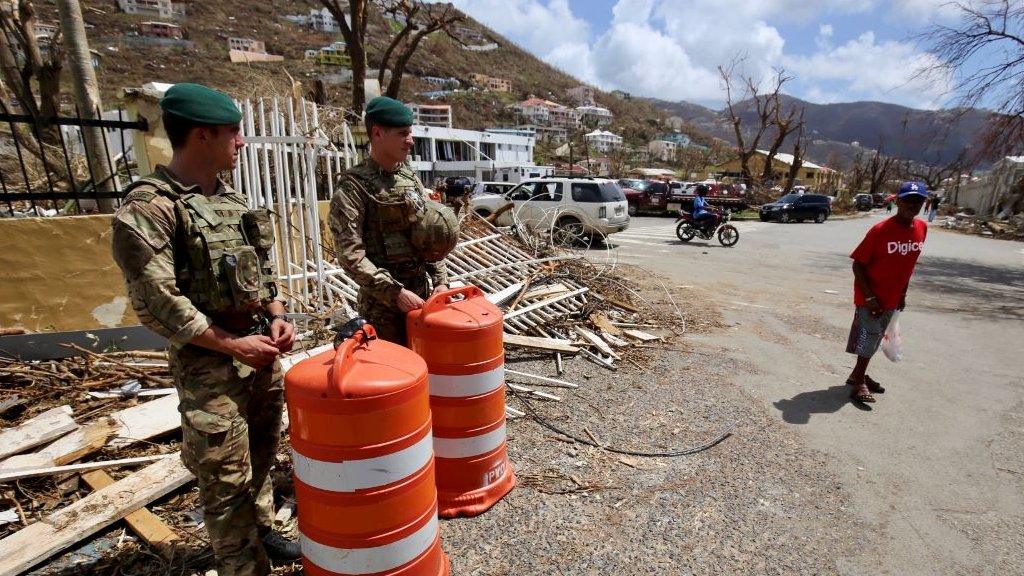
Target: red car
<point>644,195</point>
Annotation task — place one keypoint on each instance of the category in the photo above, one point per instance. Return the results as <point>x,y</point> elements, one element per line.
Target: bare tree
<point>784,123</point>
<point>984,53</point>
<point>798,155</point>
<point>421,20</point>
<point>878,171</point>
<point>353,30</point>
<point>765,108</point>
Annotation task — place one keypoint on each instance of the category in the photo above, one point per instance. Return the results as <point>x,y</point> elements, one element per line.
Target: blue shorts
<point>867,331</point>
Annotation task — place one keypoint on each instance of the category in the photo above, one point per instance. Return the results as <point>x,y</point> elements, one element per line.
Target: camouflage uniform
<point>372,213</point>
<point>163,236</point>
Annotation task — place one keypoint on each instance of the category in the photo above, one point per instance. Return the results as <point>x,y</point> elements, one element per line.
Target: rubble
<point>1010,229</point>
<point>88,431</point>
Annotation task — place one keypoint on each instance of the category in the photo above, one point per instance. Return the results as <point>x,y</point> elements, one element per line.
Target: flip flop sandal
<point>858,396</point>
<point>873,385</point>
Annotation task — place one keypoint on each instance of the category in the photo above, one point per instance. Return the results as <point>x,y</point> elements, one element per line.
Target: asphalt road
<point>936,468</point>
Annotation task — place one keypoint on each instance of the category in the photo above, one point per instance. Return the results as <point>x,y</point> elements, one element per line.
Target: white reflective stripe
<point>352,475</point>
<point>370,560</point>
<point>468,385</point>
<point>472,446</point>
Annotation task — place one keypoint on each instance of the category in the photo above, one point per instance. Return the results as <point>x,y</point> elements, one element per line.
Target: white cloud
<point>671,49</point>
<point>923,11</point>
<point>869,69</point>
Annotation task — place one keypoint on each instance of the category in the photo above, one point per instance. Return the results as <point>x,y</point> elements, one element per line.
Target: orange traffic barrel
<point>461,340</point>
<point>364,465</point>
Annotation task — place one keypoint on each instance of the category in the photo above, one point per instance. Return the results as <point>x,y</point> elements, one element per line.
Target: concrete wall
<point>59,274</point>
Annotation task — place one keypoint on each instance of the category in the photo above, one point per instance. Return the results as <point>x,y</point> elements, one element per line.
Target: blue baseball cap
<point>913,189</point>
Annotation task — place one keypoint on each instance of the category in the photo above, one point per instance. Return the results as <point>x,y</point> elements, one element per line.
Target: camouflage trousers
<point>387,318</point>
<point>231,427</point>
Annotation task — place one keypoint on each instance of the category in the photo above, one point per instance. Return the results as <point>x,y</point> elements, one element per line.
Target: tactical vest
<point>222,258</point>
<point>387,224</point>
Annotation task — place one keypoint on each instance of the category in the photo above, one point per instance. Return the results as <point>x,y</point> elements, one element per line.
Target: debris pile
<point>1011,229</point>
<point>89,440</point>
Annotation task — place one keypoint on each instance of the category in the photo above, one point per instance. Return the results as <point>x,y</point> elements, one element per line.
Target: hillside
<point>930,136</point>
<point>209,24</point>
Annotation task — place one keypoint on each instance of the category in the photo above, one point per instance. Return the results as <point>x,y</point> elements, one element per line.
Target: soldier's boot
<point>279,548</point>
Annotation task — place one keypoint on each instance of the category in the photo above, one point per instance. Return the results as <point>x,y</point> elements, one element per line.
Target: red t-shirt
<point>889,251</point>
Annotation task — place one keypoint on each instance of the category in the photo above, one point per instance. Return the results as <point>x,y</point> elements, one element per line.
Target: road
<point>936,467</point>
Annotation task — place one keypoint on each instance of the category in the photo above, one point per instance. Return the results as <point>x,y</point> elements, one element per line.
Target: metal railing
<point>50,171</point>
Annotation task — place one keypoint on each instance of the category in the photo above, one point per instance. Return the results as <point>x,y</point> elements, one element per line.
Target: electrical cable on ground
<point>668,454</point>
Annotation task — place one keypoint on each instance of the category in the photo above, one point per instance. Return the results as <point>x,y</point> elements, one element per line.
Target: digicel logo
<point>905,248</point>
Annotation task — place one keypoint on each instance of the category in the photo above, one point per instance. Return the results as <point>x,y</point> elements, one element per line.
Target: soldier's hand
<point>440,288</point>
<point>256,350</point>
<point>408,301</point>
<point>282,333</point>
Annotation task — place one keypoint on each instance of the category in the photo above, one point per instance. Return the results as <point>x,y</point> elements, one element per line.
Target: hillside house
<point>603,141</point>
<point>161,30</point>
<point>809,174</point>
<point>158,8</point>
<point>432,115</point>
<point>247,45</point>
<point>444,83</point>
<point>674,123</point>
<point>47,29</point>
<point>622,95</point>
<point>664,150</point>
<point>582,95</point>
<point>491,83</point>
<point>439,152</point>
<point>323,21</point>
<point>546,113</point>
<point>467,34</point>
<point>682,140</point>
<point>594,116</point>
<point>333,55</point>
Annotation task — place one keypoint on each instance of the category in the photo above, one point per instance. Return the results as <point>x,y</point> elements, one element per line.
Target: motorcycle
<point>727,234</point>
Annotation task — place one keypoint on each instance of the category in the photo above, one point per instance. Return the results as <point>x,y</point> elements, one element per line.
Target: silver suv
<point>576,206</point>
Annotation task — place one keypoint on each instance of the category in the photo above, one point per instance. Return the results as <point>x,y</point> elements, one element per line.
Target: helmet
<point>700,190</point>
<point>435,232</point>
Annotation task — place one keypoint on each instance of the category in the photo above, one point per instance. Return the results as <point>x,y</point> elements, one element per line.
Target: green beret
<point>200,104</point>
<point>388,112</point>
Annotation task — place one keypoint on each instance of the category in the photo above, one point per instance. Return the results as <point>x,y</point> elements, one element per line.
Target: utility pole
<point>87,97</point>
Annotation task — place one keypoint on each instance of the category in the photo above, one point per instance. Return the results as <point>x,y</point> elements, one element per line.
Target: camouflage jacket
<point>350,227</point>
<point>147,245</point>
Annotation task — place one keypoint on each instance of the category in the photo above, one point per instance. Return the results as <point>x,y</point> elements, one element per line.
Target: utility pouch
<point>258,229</point>
<point>241,267</point>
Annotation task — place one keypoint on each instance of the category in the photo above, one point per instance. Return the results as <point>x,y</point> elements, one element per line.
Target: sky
<point>836,50</point>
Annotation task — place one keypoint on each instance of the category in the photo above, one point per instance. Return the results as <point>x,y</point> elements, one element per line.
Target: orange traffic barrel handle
<point>441,299</point>
<point>343,355</point>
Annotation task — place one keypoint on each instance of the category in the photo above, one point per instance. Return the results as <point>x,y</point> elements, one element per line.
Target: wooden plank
<point>602,322</point>
<point>123,428</point>
<point>85,440</point>
<point>540,343</point>
<point>49,471</point>
<point>597,342</point>
<point>544,303</point>
<point>545,291</point>
<point>146,421</point>
<point>642,336</point>
<point>147,525</point>
<point>498,298</point>
<point>37,542</point>
<point>614,340</point>
<point>36,431</point>
<point>545,379</point>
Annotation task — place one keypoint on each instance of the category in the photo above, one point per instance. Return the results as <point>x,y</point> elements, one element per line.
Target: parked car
<point>644,195</point>
<point>729,197</point>
<point>499,188</point>
<point>863,202</point>
<point>570,207</point>
<point>797,207</point>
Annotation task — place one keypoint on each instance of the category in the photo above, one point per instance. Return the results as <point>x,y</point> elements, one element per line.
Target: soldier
<point>388,237</point>
<point>197,265</point>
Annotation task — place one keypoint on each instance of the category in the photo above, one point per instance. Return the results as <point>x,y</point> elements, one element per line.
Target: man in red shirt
<point>882,266</point>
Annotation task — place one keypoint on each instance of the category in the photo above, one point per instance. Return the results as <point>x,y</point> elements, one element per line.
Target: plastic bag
<point>892,342</point>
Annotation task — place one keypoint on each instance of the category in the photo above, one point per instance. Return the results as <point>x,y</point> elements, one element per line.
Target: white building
<point>594,115</point>
<point>323,21</point>
<point>441,152</point>
<point>247,45</point>
<point>603,141</point>
<point>438,115</point>
<point>663,150</point>
<point>159,8</point>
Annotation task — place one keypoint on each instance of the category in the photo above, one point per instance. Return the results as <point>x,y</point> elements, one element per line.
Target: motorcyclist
<point>704,216</point>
